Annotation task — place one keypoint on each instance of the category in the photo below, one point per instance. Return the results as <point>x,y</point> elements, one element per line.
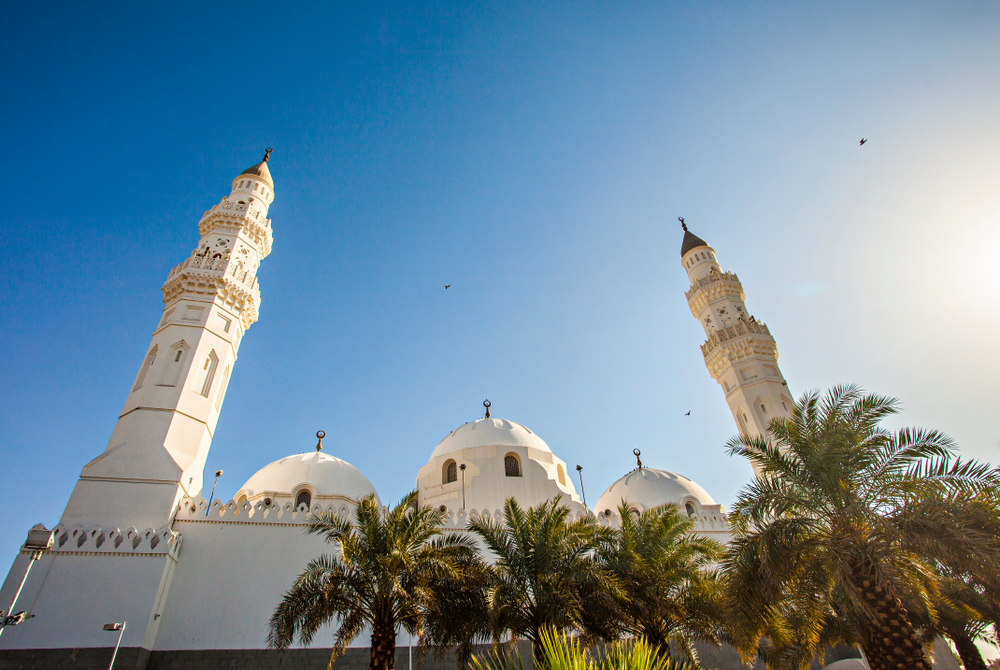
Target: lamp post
<point>39,539</point>
<point>113,627</point>
<point>462,468</point>
<point>218,473</point>
<point>579,470</point>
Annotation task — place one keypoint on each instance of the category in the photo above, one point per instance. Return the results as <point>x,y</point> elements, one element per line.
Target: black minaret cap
<point>690,241</point>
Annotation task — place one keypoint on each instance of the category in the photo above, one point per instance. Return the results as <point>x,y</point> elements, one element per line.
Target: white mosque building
<point>196,580</point>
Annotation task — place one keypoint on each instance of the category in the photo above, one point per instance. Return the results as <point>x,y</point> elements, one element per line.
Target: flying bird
<point>863,140</point>
<point>688,413</point>
<point>447,286</point>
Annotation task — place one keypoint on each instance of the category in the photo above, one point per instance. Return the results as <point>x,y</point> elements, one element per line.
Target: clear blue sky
<point>533,155</point>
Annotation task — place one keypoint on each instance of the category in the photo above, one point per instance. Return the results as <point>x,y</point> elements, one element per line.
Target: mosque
<point>194,581</point>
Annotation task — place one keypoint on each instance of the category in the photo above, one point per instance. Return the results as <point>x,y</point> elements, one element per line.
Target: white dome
<point>326,475</point>
<point>488,433</point>
<point>648,487</point>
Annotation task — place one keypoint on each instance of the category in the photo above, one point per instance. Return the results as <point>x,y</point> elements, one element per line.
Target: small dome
<point>327,475</point>
<point>691,241</point>
<point>648,487</point>
<point>259,171</point>
<point>488,433</point>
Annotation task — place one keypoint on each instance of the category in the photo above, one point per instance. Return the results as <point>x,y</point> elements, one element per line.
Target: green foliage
<point>670,589</point>
<point>544,574</point>
<point>386,572</point>
<point>562,651</point>
<point>843,502</point>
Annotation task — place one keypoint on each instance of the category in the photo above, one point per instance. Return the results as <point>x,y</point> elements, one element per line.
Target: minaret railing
<point>741,329</point>
<point>713,277</point>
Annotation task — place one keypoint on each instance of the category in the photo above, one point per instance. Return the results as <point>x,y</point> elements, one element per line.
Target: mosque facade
<point>195,580</point>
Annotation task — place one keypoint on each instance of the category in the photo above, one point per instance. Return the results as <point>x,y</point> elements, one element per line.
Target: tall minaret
<point>158,448</point>
<point>739,353</point>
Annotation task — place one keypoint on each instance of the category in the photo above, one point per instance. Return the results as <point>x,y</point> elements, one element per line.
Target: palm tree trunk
<point>383,647</point>
<point>967,650</point>
<point>891,642</point>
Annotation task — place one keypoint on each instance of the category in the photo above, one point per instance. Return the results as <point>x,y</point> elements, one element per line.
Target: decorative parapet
<point>193,510</point>
<point>727,278</point>
<point>239,215</point>
<point>741,329</point>
<point>709,520</point>
<point>217,277</point>
<point>113,542</point>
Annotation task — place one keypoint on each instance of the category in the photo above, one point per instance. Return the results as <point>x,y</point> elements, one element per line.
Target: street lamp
<point>218,473</point>
<point>113,627</point>
<point>579,469</point>
<point>462,468</point>
<point>39,539</point>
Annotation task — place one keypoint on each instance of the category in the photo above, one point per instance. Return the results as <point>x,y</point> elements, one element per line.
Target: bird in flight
<point>863,140</point>
<point>688,413</point>
<point>447,286</point>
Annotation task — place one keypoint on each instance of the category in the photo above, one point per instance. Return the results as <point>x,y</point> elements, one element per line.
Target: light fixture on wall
<point>120,627</point>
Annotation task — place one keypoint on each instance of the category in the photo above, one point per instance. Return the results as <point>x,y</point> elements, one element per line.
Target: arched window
<point>561,473</point>
<point>512,465</point>
<point>689,508</point>
<point>635,513</point>
<point>303,498</point>
<point>175,365</point>
<point>450,472</point>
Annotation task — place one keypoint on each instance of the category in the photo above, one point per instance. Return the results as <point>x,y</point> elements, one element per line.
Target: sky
<point>536,157</point>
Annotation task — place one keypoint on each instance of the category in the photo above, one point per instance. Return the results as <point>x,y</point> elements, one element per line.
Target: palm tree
<point>844,526</point>
<point>382,576</point>
<point>544,575</point>
<point>670,590</point>
<point>965,613</point>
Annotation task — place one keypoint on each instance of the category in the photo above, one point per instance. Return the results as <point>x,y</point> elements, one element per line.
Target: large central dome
<point>488,433</point>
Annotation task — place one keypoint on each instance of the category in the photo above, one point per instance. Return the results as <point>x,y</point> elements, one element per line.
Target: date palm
<point>544,575</point>
<point>846,524</point>
<point>381,577</point>
<point>670,589</point>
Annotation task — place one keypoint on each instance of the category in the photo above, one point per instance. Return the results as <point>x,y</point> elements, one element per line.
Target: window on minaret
<point>175,365</point>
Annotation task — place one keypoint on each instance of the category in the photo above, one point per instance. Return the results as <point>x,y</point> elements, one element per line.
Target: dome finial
<point>683,225</point>
<point>320,434</point>
<point>487,404</point>
<point>267,153</point>
<point>638,461</point>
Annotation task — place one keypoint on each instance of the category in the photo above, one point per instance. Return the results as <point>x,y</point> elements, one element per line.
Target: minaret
<point>740,353</point>
<point>157,451</point>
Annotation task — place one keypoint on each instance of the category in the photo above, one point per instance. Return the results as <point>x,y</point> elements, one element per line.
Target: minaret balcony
<point>732,333</point>
<point>216,266</point>
<point>716,279</point>
<point>239,215</point>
